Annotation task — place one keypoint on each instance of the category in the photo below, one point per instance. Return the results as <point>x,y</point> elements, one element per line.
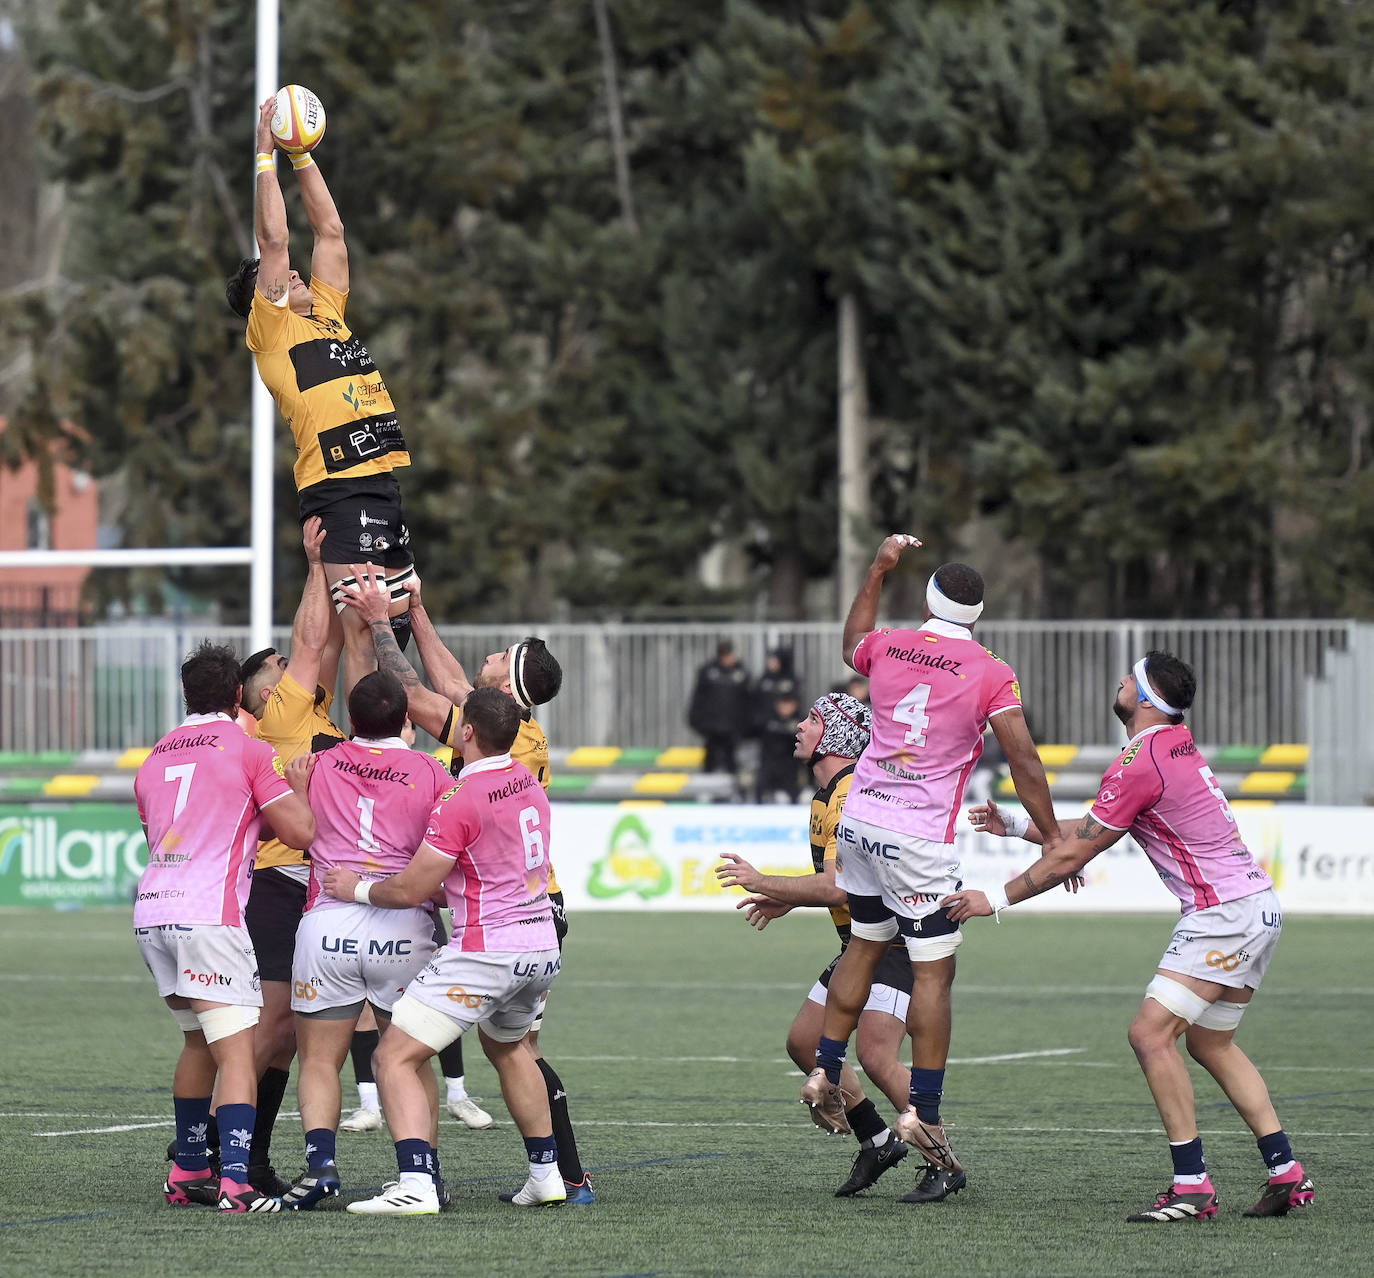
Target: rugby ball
<point>298,121</point>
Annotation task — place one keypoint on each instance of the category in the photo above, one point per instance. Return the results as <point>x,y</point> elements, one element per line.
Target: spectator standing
<point>721,707</point>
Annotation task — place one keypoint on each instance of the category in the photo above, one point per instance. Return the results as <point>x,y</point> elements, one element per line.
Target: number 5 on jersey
<point>911,710</point>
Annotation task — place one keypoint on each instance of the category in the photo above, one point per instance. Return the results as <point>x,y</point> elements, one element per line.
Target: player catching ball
<point>348,438</point>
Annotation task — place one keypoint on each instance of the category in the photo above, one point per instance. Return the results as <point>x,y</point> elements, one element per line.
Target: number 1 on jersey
<point>911,710</point>
<point>366,841</point>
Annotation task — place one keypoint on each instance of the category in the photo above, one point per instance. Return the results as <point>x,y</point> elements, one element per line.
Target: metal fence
<point>1341,766</point>
<point>114,687</point>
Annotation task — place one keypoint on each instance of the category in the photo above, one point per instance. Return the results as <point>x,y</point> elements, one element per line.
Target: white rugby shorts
<point>459,989</point>
<point>214,962</point>
<point>351,952</point>
<point>1231,943</point>
<point>911,875</point>
<point>881,998</point>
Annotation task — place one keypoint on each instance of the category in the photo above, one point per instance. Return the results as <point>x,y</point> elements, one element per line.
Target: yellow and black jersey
<point>293,724</point>
<point>327,388</point>
<point>531,747</point>
<point>827,806</point>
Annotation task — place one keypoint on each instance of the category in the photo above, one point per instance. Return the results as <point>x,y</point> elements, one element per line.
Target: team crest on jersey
<point>1016,689</point>
<point>1109,793</point>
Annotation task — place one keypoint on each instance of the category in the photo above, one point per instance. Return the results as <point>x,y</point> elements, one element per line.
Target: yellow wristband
<point>302,160</point>
<point>267,162</point>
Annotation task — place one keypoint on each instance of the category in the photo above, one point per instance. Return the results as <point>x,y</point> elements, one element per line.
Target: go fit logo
<point>207,978</point>
<point>1227,962</point>
<point>457,994</point>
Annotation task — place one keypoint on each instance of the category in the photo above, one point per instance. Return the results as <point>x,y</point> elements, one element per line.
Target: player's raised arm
<point>444,670</point>
<point>310,632</point>
<point>269,215</point>
<point>367,592</point>
<point>329,262</point>
<point>863,612</point>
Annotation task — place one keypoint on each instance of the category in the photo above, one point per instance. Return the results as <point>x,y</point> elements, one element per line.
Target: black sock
<point>569,1166</point>
<point>363,1045</point>
<point>271,1089</point>
<point>864,1121</point>
<point>212,1136</point>
<point>451,1059</point>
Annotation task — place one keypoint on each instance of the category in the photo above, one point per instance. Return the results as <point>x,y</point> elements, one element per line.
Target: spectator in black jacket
<point>778,679</point>
<point>721,709</point>
<point>778,779</point>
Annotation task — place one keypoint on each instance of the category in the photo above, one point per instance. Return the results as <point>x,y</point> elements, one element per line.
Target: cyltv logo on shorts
<point>207,978</point>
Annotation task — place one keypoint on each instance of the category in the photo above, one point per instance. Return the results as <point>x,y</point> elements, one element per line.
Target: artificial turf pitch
<point>668,1031</point>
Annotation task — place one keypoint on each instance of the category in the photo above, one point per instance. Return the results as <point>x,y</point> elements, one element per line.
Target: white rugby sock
<point>457,1089</point>
<point>367,1096</point>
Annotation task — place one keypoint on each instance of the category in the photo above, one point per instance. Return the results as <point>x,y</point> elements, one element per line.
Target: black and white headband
<point>518,690</point>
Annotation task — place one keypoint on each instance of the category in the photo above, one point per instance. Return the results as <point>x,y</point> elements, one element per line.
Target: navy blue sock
<point>927,1086</point>
<point>193,1121</point>
<point>236,1140</point>
<point>413,1156</point>
<point>320,1144</point>
<point>1187,1156</point>
<point>1274,1149</point>
<point>830,1053</point>
<point>541,1149</point>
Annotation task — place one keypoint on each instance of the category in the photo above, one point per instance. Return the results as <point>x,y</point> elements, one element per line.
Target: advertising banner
<point>70,854</point>
<point>662,857</point>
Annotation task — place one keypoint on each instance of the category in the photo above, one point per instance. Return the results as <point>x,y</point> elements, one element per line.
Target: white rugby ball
<point>298,121</point>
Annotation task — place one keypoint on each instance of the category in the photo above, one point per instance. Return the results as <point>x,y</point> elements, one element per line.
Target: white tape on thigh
<point>883,931</point>
<point>1176,998</point>
<point>221,1022</point>
<point>336,592</point>
<point>187,1019</point>
<point>928,949</point>
<point>396,583</point>
<point>1222,1015</point>
<point>433,1029</point>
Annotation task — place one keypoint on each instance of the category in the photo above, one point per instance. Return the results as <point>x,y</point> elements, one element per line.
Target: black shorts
<point>363,520</point>
<point>894,969</point>
<point>275,905</point>
<point>560,917</point>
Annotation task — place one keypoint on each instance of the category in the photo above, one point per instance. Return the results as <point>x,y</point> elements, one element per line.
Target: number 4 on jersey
<point>911,710</point>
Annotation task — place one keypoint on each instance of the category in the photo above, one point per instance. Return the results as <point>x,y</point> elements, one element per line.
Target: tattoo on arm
<point>274,290</point>
<point>1051,880</point>
<point>1088,829</point>
<point>389,655</point>
<point>1029,882</point>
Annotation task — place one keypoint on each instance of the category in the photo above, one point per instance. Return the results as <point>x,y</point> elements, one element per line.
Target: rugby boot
<point>362,1120</point>
<point>929,1140</point>
<point>263,1177</point>
<point>186,1188</point>
<point>234,1196</point>
<point>312,1186</point>
<point>549,1192</point>
<point>1294,1188</point>
<point>827,1103</point>
<point>468,1112</point>
<point>397,1199</point>
<point>1179,1202</point>
<point>936,1184</point>
<point>580,1194</point>
<point>212,1154</point>
<point>870,1163</point>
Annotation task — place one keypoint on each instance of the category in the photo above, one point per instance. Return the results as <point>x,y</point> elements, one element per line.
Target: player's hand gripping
<point>340,883</point>
<point>312,538</point>
<point>967,904</point>
<point>891,551</point>
<point>735,871</point>
<point>759,911</point>
<point>297,773</point>
<point>367,592</point>
<point>267,140</point>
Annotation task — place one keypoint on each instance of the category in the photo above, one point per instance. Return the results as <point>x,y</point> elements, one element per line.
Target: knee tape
<point>221,1022</point>
<point>186,1019</point>
<point>1222,1015</point>
<point>1176,998</point>
<point>884,931</point>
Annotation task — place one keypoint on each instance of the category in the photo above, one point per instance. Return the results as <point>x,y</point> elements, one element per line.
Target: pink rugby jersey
<point>372,801</point>
<point>1161,790</point>
<point>933,691</point>
<point>494,824</point>
<point>199,796</point>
